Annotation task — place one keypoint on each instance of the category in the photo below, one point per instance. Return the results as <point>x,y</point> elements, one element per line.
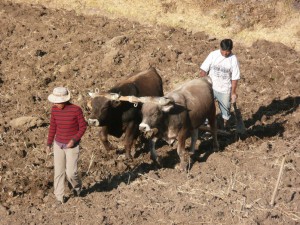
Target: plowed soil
<point>41,48</point>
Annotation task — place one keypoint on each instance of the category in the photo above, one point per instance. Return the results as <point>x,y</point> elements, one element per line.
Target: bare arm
<point>233,90</point>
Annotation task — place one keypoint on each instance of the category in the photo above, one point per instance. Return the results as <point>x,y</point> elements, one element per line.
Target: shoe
<point>59,202</point>
<point>207,134</point>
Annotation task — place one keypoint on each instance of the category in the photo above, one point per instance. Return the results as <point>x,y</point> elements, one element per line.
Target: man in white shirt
<point>223,68</point>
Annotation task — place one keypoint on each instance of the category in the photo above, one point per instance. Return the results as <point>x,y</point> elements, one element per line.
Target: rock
<point>46,199</point>
<point>98,178</point>
<point>26,122</point>
<point>121,166</point>
<point>115,41</point>
<point>22,153</point>
<point>264,119</point>
<point>64,69</point>
<point>3,210</point>
<point>258,123</point>
<point>40,194</point>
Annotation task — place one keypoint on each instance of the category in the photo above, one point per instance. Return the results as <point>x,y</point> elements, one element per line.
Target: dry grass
<point>195,15</point>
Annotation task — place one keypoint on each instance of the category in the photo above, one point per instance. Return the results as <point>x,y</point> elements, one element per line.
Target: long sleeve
<point>52,129</point>
<point>81,124</point>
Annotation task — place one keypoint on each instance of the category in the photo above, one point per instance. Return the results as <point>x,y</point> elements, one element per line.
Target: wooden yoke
<point>132,99</point>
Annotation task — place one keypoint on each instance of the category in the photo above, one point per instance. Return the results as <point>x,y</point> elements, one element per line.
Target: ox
<point>179,114</point>
<point>116,117</point>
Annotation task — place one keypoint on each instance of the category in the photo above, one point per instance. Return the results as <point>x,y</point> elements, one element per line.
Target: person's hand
<point>233,98</point>
<point>70,144</point>
<point>49,150</point>
<point>203,73</point>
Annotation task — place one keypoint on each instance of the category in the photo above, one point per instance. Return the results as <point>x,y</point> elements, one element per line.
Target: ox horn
<point>89,104</point>
<point>92,94</point>
<point>164,101</point>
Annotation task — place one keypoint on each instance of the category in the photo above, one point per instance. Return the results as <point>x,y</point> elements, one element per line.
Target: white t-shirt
<point>222,70</point>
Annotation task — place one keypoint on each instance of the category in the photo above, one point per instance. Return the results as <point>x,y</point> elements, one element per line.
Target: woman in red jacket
<point>67,126</point>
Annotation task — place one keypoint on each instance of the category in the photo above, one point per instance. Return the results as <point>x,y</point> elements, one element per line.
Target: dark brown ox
<point>179,114</point>
<point>116,117</point>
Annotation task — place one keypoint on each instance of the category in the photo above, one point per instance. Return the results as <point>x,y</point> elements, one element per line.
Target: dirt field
<point>41,48</point>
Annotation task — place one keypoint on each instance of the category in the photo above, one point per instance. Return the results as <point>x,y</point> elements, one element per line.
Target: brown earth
<point>42,48</point>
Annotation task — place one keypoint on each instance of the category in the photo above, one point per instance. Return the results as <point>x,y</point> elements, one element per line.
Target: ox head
<point>100,105</point>
<point>154,114</point>
<point>161,116</point>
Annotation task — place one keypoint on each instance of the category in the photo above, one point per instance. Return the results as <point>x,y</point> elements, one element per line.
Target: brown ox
<point>116,117</point>
<point>179,114</point>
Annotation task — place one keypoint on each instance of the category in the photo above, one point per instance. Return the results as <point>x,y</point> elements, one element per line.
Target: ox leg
<point>213,126</point>
<point>130,136</point>
<point>152,149</point>
<point>103,133</point>
<point>194,138</point>
<point>181,151</point>
<point>156,159</point>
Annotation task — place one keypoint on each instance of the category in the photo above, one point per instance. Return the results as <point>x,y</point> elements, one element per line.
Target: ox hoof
<point>158,162</point>
<point>109,147</point>
<point>128,157</point>
<point>191,153</point>
<point>157,165</point>
<point>216,148</point>
<point>181,167</point>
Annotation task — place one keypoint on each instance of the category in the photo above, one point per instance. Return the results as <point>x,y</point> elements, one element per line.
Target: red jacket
<point>66,124</point>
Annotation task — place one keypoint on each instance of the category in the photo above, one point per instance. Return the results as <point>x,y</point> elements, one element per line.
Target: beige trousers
<point>65,163</point>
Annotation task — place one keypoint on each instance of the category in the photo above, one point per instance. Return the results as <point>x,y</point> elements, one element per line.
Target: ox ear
<point>115,103</point>
<point>168,107</point>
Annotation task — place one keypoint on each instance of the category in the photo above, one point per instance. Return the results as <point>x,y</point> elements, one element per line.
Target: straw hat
<point>59,95</point>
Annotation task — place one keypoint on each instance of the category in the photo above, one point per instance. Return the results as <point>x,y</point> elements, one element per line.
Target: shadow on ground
<point>259,129</point>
